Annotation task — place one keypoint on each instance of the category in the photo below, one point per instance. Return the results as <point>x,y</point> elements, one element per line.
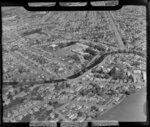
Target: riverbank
<point>131,109</point>
<point>96,60</point>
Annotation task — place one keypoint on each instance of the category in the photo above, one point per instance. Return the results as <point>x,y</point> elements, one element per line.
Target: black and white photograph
<point>74,66</point>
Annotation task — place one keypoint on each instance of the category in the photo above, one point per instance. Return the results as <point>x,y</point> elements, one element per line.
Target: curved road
<point>96,60</point>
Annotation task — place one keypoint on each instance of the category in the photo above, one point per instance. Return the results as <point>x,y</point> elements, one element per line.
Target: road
<point>96,60</point>
<point>100,58</point>
<point>114,28</point>
<point>30,64</point>
<point>48,55</point>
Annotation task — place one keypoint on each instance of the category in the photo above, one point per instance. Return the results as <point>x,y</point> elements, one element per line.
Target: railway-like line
<point>96,60</point>
<point>30,64</point>
<point>114,28</point>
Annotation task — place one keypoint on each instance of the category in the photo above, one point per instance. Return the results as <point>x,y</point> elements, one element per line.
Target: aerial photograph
<point>74,66</point>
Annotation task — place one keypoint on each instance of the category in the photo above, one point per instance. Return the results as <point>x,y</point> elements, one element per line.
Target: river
<point>95,61</point>
<point>131,109</point>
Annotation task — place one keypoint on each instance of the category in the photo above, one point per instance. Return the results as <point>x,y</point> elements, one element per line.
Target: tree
<point>111,92</point>
<point>9,96</point>
<point>39,97</point>
<point>50,103</point>
<point>94,108</point>
<point>106,76</point>
<point>55,69</point>
<point>75,57</point>
<point>67,85</point>
<point>100,47</point>
<point>21,69</point>
<point>132,89</point>
<point>55,104</point>
<point>97,75</point>
<point>21,89</point>
<point>87,57</point>
<point>90,51</point>
<point>71,43</point>
<point>83,92</point>
<point>94,70</point>
<point>100,91</point>
<point>80,114</point>
<point>136,63</point>
<point>61,45</point>
<point>76,71</point>
<point>100,70</point>
<point>127,92</point>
